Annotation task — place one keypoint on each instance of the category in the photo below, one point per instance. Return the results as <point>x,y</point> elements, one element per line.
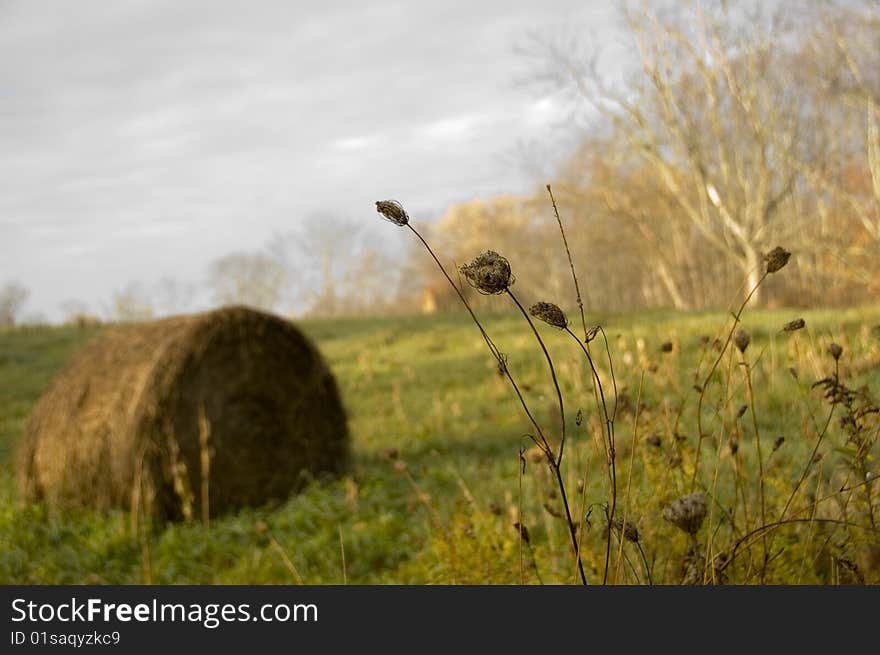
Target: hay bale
<point>234,405</point>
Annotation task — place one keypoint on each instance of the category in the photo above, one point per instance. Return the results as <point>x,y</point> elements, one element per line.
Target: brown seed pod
<point>687,513</point>
<point>742,340</point>
<point>836,350</point>
<point>523,531</point>
<point>796,324</point>
<point>549,313</point>
<point>628,529</point>
<point>776,259</point>
<point>393,211</point>
<point>489,273</point>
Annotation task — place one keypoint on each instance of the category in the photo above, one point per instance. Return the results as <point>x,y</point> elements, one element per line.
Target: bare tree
<point>12,298</point>
<point>840,54</point>
<point>77,313</point>
<point>131,304</point>
<point>253,279</point>
<point>336,266</point>
<point>709,114</point>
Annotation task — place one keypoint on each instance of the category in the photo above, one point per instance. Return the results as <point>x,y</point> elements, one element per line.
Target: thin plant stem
<point>609,426</point>
<point>552,372</point>
<point>632,459</point>
<point>611,371</point>
<point>342,551</point>
<point>520,466</point>
<point>761,496</point>
<point>645,562</point>
<point>555,461</point>
<point>609,422</point>
<point>552,460</point>
<point>577,288</point>
<point>758,532</point>
<point>736,319</point>
<point>502,363</point>
<point>809,463</point>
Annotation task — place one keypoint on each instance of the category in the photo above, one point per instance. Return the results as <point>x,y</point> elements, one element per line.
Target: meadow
<point>445,486</point>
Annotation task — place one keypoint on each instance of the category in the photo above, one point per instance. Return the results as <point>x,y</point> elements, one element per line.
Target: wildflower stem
<point>748,376</point>
<point>812,457</point>
<point>577,288</point>
<point>502,364</point>
<point>736,319</point>
<point>612,466</point>
<point>552,371</point>
<point>555,462</point>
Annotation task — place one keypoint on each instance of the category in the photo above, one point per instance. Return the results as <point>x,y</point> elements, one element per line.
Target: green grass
<point>428,387</point>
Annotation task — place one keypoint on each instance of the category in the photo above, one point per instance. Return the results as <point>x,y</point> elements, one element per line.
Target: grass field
<point>441,507</point>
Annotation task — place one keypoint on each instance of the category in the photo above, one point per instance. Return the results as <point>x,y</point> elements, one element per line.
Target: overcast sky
<point>141,139</point>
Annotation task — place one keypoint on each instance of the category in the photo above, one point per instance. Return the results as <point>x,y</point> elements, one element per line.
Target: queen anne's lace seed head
<point>489,273</point>
<point>687,513</point>
<point>393,211</point>
<point>549,313</point>
<point>776,259</point>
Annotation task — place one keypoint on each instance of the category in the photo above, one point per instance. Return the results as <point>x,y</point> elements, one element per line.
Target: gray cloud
<point>141,139</point>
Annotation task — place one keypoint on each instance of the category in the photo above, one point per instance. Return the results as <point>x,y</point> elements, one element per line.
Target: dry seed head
<point>549,313</point>
<point>796,324</point>
<point>393,211</point>
<point>776,259</point>
<point>666,347</point>
<point>489,273</point>
<point>742,340</point>
<point>836,350</point>
<point>628,529</point>
<point>687,513</point>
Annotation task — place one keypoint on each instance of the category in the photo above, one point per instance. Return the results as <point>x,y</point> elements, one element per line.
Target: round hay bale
<point>212,411</point>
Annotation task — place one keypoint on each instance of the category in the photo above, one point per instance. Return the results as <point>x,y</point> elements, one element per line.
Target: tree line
<point>734,129</point>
